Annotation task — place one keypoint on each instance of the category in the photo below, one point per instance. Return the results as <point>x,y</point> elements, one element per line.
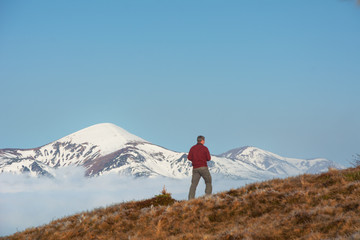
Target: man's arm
<point>190,155</point>
<point>208,156</point>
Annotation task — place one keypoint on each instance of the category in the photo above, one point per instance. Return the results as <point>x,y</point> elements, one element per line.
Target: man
<point>199,155</point>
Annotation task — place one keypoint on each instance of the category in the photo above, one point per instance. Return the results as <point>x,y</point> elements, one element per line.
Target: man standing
<point>199,155</point>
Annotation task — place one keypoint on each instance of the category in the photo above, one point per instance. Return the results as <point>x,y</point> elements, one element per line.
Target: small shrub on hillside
<point>163,199</point>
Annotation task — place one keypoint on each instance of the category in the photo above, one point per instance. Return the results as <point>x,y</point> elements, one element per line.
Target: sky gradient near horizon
<point>280,75</point>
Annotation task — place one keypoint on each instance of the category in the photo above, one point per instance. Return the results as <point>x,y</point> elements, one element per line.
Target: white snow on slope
<point>107,136</point>
<point>274,163</point>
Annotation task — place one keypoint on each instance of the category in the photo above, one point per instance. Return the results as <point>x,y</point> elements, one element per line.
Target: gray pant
<point>196,175</point>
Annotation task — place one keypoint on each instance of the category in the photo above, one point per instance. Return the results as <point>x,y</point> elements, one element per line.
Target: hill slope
<point>323,206</point>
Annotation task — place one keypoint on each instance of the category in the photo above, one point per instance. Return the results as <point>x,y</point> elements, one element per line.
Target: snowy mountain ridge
<point>268,161</point>
<point>106,148</point>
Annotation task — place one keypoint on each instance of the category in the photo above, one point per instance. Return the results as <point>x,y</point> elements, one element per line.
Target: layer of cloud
<point>28,202</point>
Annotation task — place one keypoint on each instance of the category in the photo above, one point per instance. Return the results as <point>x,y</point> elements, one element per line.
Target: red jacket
<point>199,155</point>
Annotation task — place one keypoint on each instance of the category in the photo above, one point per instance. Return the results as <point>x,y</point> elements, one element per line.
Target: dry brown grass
<point>323,206</point>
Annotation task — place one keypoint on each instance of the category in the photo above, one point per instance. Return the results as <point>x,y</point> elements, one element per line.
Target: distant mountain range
<point>106,148</point>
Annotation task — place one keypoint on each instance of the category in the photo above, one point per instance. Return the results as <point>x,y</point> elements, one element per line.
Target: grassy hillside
<point>324,206</point>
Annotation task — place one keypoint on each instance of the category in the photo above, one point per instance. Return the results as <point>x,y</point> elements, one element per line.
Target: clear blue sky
<point>280,75</point>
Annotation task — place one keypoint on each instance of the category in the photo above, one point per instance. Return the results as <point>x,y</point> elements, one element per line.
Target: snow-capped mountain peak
<point>107,136</point>
<point>274,163</point>
<point>247,153</point>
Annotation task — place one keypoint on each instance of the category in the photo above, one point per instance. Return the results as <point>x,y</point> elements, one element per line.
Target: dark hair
<point>200,138</point>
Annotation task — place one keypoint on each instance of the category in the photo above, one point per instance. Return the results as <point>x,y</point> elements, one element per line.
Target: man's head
<point>201,139</point>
